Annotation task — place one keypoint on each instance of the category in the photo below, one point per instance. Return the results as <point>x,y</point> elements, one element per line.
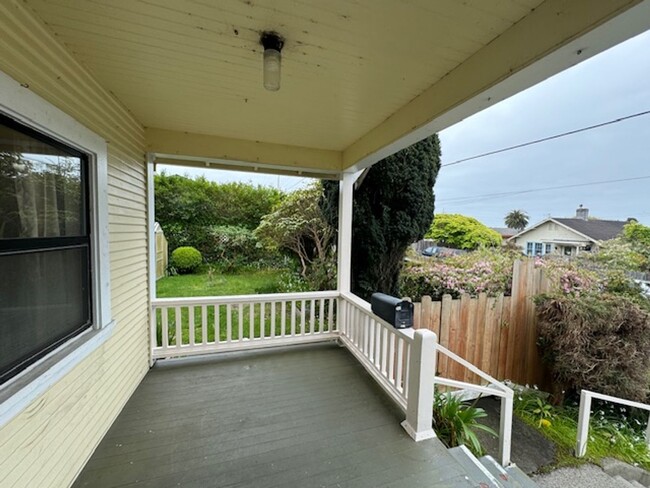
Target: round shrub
<point>186,259</point>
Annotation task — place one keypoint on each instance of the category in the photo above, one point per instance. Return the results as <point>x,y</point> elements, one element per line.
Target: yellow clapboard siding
<point>49,442</point>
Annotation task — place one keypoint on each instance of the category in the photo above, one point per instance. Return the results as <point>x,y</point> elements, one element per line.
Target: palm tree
<point>516,219</point>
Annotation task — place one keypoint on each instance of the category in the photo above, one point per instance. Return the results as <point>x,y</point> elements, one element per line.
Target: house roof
<point>505,231</point>
<point>594,230</point>
<point>598,230</point>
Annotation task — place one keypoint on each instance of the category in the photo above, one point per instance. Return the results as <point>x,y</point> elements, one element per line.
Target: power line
<point>549,138</point>
<point>489,196</point>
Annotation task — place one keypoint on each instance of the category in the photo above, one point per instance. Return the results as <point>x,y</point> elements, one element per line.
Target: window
<point>529,248</point>
<point>548,249</point>
<point>538,249</point>
<point>45,250</point>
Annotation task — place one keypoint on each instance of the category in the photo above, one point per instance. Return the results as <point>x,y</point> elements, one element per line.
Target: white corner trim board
<point>26,107</point>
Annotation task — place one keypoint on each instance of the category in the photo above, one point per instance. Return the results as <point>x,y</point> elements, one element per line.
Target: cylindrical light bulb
<point>272,59</point>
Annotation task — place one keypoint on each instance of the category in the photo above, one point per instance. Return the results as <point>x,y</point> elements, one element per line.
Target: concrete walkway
<point>587,476</point>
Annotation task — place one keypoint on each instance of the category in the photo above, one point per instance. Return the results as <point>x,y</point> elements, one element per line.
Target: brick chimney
<point>582,213</point>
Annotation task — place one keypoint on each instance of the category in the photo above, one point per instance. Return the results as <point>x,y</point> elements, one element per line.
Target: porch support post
<point>420,387</point>
<point>151,240</point>
<point>344,248</point>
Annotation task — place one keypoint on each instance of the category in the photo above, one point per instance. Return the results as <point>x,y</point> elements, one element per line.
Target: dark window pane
<point>41,190</point>
<point>43,300</point>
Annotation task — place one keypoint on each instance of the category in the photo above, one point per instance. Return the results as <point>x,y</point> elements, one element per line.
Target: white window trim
<point>28,108</point>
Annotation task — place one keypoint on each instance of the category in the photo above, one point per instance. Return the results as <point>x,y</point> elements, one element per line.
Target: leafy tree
<point>393,207</point>
<point>297,224</point>
<point>637,233</point>
<point>462,232</point>
<point>516,219</point>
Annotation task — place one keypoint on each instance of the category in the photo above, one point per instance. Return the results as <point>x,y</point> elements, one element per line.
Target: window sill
<point>22,390</point>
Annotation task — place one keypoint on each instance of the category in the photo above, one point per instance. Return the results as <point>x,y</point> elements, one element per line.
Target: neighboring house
<point>505,232</point>
<point>94,94</point>
<point>567,236</point>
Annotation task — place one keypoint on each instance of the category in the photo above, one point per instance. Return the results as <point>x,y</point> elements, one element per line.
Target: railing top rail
<point>406,334</point>
<point>462,385</point>
<point>493,381</point>
<point>220,300</point>
<point>620,401</point>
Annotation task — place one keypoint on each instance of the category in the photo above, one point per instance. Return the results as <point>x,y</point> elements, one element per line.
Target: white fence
<point>585,414</point>
<point>402,361</point>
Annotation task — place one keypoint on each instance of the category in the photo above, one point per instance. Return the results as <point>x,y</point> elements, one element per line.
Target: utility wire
<point>549,138</point>
<point>489,196</point>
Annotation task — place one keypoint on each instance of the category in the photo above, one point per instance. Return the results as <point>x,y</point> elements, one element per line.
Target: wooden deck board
<point>307,416</point>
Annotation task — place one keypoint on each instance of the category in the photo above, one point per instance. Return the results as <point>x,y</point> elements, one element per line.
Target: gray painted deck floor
<point>301,417</point>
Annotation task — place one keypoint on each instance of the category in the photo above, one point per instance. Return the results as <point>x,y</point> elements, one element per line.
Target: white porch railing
<point>402,361</point>
<point>585,414</point>
<point>199,325</point>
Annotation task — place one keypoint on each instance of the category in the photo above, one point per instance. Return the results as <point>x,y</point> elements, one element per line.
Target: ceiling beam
<point>200,150</point>
<point>554,36</point>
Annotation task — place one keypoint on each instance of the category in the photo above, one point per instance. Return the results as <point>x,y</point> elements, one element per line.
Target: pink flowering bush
<point>569,277</point>
<point>484,271</point>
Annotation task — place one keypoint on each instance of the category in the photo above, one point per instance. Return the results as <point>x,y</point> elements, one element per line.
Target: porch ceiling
<point>357,77</point>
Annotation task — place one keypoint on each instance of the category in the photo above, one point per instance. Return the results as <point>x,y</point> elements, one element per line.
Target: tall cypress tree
<point>393,207</point>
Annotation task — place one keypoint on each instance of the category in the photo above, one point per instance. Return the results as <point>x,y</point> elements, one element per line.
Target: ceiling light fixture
<point>272,43</point>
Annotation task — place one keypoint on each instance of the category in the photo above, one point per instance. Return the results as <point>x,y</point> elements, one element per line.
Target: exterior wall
<point>550,232</point>
<point>49,442</point>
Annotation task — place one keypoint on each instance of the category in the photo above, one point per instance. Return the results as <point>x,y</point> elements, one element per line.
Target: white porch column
<point>344,247</point>
<point>420,388</point>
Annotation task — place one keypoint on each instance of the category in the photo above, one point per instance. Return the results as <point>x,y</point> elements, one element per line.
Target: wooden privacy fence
<point>162,251</point>
<point>497,334</point>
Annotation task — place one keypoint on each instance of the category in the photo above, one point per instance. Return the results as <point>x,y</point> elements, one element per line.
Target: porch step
<point>474,469</point>
<point>519,478</point>
<point>499,472</point>
<point>622,482</point>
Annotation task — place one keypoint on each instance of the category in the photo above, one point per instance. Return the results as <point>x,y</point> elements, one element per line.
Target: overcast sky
<point>613,84</point>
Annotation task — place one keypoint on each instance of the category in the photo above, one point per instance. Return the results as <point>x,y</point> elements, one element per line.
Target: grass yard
<point>248,282</point>
<point>609,434</point>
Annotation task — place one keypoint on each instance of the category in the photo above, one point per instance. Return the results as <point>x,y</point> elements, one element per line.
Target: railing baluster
<point>372,339</point>
<point>302,317</point>
<point>262,320</point>
<point>192,332</point>
<point>330,315</point>
<point>321,316</point>
<point>251,321</point>
<point>204,324</point>
<point>312,315</point>
<point>293,318</point>
<point>391,358</point>
<point>400,366</point>
<point>178,318</point>
<point>217,323</point>
<point>165,327</point>
<point>583,423</point>
<point>273,320</point>
<point>240,316</point>
<point>229,323</point>
<point>283,319</point>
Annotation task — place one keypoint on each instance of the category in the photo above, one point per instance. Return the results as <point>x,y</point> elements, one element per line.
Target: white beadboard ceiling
<point>196,66</point>
<point>360,78</point>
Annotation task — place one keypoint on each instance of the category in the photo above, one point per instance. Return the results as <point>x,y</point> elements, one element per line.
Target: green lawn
<point>203,284</point>
<point>247,321</point>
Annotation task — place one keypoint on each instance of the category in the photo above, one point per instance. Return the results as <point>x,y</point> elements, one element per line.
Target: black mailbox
<point>397,312</point>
